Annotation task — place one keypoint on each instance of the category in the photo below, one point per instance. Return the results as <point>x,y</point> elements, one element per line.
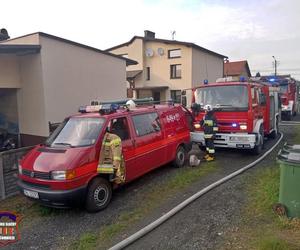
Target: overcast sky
<point>254,30</point>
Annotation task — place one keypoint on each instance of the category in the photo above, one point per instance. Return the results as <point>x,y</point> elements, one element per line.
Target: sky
<point>253,30</point>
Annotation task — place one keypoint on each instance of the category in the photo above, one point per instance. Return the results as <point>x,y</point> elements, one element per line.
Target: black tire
<point>180,157</point>
<point>98,195</point>
<point>274,133</point>
<point>258,148</point>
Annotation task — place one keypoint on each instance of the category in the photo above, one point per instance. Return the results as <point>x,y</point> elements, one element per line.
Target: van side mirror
<point>262,99</point>
<point>183,101</point>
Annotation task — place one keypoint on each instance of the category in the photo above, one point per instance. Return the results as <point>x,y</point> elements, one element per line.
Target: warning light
<point>205,81</point>
<point>234,125</point>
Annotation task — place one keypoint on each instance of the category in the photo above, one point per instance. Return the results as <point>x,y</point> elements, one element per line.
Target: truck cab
<point>246,112</point>
<point>62,172</point>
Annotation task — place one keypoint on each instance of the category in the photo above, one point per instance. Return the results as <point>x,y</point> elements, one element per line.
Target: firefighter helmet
<point>208,107</point>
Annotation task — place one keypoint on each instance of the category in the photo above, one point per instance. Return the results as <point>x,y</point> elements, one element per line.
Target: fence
<point>9,170</point>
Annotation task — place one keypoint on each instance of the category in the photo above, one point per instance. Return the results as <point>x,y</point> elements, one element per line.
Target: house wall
<point>205,66</point>
<point>160,68</point>
<point>135,51</point>
<point>31,105</point>
<point>73,76</point>
<point>9,71</point>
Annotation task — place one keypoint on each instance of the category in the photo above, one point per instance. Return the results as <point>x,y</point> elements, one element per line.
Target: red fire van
<point>63,171</point>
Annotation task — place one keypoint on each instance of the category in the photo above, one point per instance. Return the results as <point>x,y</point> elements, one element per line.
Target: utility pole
<point>275,65</point>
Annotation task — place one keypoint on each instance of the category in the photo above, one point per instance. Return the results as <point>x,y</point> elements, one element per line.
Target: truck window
<point>119,126</point>
<point>146,123</point>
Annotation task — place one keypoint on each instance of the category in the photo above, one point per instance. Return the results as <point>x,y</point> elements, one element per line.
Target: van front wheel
<point>180,157</point>
<point>99,195</point>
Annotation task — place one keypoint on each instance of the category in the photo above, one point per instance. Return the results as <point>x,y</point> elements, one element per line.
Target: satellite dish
<point>149,52</point>
<point>160,51</point>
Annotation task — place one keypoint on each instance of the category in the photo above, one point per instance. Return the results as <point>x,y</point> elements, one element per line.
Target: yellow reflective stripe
<point>215,129</point>
<point>117,158</point>
<point>115,142</point>
<point>107,169</point>
<point>208,136</point>
<point>211,151</point>
<point>209,122</point>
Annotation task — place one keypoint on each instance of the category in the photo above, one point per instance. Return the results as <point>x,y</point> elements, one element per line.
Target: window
<point>148,74</point>
<point>174,53</point>
<point>146,123</point>
<point>176,96</point>
<point>175,71</point>
<point>119,127</point>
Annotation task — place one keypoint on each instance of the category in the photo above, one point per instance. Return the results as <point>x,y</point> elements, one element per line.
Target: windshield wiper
<point>223,105</point>
<point>64,143</point>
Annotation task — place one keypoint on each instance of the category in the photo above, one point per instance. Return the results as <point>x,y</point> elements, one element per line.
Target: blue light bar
<point>242,79</point>
<point>272,80</point>
<point>205,81</point>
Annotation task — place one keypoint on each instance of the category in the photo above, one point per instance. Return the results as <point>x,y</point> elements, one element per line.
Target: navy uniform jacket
<point>209,124</point>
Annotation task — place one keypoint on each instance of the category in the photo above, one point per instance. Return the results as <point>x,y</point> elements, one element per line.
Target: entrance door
<point>156,96</point>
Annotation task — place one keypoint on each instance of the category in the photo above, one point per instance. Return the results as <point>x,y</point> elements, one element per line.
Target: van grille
<point>36,185</point>
<point>35,174</point>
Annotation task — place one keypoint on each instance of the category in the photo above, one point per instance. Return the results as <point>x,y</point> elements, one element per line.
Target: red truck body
<point>289,96</point>
<point>246,112</point>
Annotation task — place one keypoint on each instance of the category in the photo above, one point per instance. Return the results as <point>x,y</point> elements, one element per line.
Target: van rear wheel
<point>180,157</point>
<point>99,195</point>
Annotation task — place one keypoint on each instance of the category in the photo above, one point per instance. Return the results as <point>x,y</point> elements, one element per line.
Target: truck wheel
<point>180,157</point>
<point>98,195</point>
<point>259,147</point>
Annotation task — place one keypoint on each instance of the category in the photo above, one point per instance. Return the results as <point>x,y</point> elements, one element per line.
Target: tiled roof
<point>236,68</point>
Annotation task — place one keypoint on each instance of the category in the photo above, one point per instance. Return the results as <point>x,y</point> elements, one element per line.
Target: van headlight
<point>20,168</point>
<point>61,175</point>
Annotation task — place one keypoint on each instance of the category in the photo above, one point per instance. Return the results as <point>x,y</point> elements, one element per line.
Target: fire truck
<point>288,94</point>
<point>247,112</point>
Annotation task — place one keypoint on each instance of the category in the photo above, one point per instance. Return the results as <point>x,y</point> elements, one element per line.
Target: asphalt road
<point>199,226</point>
<point>204,223</point>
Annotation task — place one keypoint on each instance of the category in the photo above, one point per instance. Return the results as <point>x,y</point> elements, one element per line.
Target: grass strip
<point>151,200</point>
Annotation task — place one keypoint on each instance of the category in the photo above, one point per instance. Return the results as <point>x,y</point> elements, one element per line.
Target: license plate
<point>31,194</point>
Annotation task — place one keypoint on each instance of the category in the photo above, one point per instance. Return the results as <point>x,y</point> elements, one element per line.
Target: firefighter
<point>210,127</point>
<point>111,159</point>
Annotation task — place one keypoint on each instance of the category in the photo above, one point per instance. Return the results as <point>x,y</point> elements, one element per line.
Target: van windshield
<point>76,132</point>
<point>223,97</point>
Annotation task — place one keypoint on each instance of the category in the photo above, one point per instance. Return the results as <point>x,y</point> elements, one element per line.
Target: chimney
<point>4,35</point>
<point>149,34</point>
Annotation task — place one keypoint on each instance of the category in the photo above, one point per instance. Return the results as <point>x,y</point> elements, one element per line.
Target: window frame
<point>148,74</point>
<point>146,134</point>
<point>169,53</point>
<point>174,91</point>
<point>175,77</point>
